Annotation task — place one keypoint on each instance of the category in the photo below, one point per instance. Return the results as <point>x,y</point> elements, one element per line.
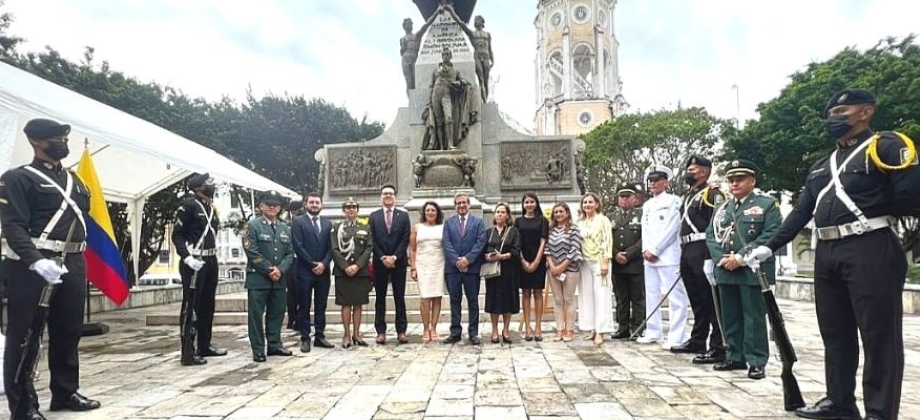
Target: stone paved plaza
<point>135,372</point>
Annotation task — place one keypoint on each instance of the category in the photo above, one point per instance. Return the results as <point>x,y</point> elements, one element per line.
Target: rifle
<point>792,395</point>
<point>187,318</point>
<point>31,343</point>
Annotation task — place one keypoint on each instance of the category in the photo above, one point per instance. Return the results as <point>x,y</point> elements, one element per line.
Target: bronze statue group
<point>710,251</point>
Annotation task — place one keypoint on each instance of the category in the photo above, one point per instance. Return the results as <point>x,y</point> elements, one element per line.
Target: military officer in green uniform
<point>352,248</point>
<point>628,269</point>
<point>745,221</point>
<point>270,254</point>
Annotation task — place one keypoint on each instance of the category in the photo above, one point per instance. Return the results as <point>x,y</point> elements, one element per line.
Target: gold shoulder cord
<point>706,197</point>
<point>872,153</point>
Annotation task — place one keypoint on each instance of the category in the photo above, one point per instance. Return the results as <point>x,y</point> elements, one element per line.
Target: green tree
<point>621,150</point>
<point>789,136</point>
<point>7,42</point>
<point>277,136</point>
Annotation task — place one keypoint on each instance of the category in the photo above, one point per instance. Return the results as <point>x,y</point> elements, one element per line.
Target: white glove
<point>193,263</point>
<point>757,256</point>
<point>709,270</point>
<point>49,270</point>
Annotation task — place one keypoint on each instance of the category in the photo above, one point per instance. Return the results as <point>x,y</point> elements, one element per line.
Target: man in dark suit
<point>295,209</point>
<point>464,240</point>
<point>313,246</point>
<point>390,228</point>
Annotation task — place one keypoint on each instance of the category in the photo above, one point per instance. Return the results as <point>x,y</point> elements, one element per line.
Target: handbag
<point>493,269</point>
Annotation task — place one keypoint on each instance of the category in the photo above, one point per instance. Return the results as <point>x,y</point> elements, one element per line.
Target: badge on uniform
<point>905,154</point>
<point>753,211</point>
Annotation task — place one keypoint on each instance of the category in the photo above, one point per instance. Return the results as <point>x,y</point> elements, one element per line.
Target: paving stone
<point>134,371</point>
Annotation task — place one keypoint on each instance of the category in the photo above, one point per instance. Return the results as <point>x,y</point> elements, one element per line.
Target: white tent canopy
<point>134,158</point>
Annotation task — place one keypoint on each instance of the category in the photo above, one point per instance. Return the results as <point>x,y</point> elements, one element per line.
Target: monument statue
<point>482,49</point>
<point>467,166</point>
<point>418,169</point>
<point>451,110</point>
<point>464,8</point>
<point>408,48</point>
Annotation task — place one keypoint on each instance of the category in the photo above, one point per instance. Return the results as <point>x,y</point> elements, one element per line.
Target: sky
<point>687,52</point>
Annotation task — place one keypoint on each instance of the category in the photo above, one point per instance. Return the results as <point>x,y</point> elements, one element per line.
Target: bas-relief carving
<point>362,168</point>
<point>444,168</point>
<point>536,165</point>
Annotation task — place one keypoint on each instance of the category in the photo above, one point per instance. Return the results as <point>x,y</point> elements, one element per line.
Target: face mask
<point>208,191</point>
<point>837,126</point>
<point>689,179</point>
<point>57,150</point>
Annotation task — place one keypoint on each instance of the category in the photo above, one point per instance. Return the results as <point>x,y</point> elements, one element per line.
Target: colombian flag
<point>104,267</point>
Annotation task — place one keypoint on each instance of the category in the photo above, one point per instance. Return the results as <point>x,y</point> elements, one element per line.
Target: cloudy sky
<point>347,51</point>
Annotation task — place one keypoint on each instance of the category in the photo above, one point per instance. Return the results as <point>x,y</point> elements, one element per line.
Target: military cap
<point>350,202</point>
<point>295,205</point>
<point>43,129</point>
<point>629,188</point>
<point>271,197</point>
<point>741,167</point>
<point>656,172</point>
<point>849,97</point>
<point>698,161</point>
<point>198,180</point>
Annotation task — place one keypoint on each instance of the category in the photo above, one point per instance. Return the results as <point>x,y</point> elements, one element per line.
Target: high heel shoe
<point>495,339</point>
<point>359,341</point>
<point>426,336</point>
<point>506,338</point>
<point>346,342</point>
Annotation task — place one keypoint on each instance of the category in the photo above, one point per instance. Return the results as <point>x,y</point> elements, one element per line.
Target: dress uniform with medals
<point>661,248</point>
<point>269,251</point>
<point>740,224</point>
<point>854,196</point>
<point>352,244</point>
<point>43,210</point>
<point>195,239</point>
<point>628,278</point>
<point>699,204</point>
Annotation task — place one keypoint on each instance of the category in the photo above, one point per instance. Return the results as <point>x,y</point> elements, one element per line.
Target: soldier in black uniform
<point>628,268</point>
<point>194,238</point>
<point>35,227</point>
<point>699,203</point>
<point>860,268</point>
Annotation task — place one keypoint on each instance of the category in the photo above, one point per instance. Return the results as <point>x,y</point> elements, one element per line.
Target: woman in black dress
<point>534,229</point>
<point>504,246</point>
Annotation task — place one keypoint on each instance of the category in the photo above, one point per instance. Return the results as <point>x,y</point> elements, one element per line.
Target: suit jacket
<point>738,229</point>
<point>311,246</point>
<point>627,237</point>
<point>395,242</point>
<point>470,245</point>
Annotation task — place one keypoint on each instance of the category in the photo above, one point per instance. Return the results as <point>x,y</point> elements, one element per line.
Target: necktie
<point>462,226</point>
<point>316,223</point>
<point>389,219</point>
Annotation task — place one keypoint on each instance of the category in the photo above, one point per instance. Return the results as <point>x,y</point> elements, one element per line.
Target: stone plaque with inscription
<point>536,165</point>
<point>361,168</point>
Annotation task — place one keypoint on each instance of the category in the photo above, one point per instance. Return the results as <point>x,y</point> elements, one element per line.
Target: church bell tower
<point>577,78</point>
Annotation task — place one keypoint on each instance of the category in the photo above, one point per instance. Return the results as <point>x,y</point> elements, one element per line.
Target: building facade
<point>577,78</point>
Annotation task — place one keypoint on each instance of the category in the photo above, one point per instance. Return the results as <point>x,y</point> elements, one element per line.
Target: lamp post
<point>737,106</point>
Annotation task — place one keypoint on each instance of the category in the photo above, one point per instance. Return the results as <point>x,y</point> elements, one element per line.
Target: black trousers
<point>629,290</point>
<point>205,290</point>
<point>700,293</point>
<point>858,286</point>
<point>384,277</point>
<point>293,293</point>
<point>313,292</point>
<point>65,327</point>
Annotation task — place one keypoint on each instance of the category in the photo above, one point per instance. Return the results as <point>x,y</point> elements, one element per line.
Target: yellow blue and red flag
<point>104,267</point>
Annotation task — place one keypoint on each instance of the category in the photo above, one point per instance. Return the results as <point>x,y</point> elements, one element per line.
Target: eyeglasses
<point>272,205</point>
<point>350,207</point>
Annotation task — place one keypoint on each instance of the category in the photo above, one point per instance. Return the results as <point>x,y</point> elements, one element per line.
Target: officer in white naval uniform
<point>661,218</point>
